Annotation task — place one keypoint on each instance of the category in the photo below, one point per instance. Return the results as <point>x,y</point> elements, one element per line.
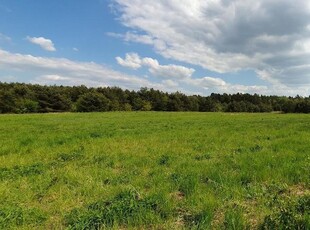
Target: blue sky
<point>196,47</point>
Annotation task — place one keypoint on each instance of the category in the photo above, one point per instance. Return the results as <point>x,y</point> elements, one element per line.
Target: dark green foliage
<point>74,155</point>
<point>164,160</point>
<point>291,215</point>
<point>95,135</point>
<point>28,106</point>
<point>7,102</point>
<point>51,99</point>
<point>125,209</point>
<point>27,98</point>
<point>146,106</point>
<point>92,102</point>
<point>245,180</point>
<point>256,148</point>
<point>127,107</point>
<point>20,171</point>
<point>303,205</point>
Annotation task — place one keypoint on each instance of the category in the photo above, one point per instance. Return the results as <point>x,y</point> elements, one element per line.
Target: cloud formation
<point>271,37</point>
<point>44,43</point>
<point>61,71</point>
<point>133,61</point>
<point>176,77</point>
<point>67,72</point>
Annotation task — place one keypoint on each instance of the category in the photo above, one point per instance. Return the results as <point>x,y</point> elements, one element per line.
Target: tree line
<point>33,98</point>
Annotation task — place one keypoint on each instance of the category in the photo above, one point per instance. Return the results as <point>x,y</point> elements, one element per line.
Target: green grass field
<point>154,170</point>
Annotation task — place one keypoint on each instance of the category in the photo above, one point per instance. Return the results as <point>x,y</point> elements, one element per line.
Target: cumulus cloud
<point>171,71</point>
<point>176,77</point>
<point>215,84</point>
<point>44,43</point>
<point>41,70</point>
<point>67,72</point>
<point>210,81</point>
<point>271,37</point>
<point>134,61</point>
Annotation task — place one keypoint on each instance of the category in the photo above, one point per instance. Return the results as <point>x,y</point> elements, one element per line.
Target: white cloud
<point>67,72</point>
<point>171,71</point>
<point>167,71</point>
<point>208,83</point>
<point>150,62</point>
<point>211,82</point>
<point>267,36</point>
<point>170,83</point>
<point>44,43</point>
<point>181,78</point>
<point>41,70</point>
<point>178,78</point>
<point>54,77</point>
<point>133,60</point>
<point>140,38</point>
<point>75,49</point>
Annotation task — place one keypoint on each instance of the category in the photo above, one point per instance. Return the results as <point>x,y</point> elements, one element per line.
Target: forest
<point>34,98</point>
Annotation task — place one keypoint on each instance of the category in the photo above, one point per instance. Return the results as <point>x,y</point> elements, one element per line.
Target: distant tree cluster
<point>29,98</point>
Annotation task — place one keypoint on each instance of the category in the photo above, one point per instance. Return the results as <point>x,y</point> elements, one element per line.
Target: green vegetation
<point>27,98</point>
<point>155,170</point>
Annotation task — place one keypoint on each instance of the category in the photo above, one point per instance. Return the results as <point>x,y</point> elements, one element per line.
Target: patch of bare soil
<point>299,190</point>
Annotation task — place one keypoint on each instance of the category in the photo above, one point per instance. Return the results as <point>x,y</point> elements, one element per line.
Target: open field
<point>154,170</point>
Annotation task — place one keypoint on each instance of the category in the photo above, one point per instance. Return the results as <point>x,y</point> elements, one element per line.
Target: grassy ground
<point>154,170</point>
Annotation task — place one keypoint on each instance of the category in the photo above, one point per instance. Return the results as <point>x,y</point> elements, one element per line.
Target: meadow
<point>155,170</point>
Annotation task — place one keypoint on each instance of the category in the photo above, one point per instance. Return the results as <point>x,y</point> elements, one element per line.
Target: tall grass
<point>154,170</point>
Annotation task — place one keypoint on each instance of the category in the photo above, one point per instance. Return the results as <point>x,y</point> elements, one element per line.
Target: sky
<point>194,47</point>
